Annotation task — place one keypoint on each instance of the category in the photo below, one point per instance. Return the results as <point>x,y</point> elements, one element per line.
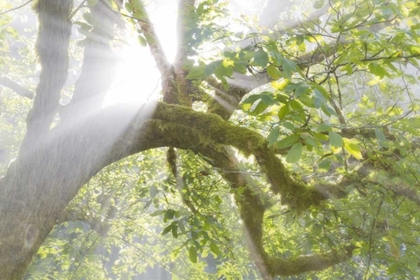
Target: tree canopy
<point>283,141</point>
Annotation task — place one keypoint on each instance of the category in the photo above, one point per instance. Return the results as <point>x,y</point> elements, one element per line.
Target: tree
<point>333,130</point>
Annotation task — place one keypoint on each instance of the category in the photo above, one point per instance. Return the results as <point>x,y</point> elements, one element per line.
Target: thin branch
<point>153,41</point>
<point>390,57</point>
<point>371,238</point>
<point>16,8</point>
<point>20,90</point>
<point>81,5</point>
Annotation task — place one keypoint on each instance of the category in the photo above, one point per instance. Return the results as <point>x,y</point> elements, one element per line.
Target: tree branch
<point>152,39</point>
<point>99,65</point>
<point>185,10</point>
<point>54,30</point>
<point>307,263</point>
<point>16,8</point>
<point>20,90</point>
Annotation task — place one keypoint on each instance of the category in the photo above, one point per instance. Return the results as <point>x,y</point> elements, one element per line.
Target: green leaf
<point>323,127</point>
<point>318,4</point>
<point>289,67</point>
<point>139,14</point>
<point>301,89</point>
<point>411,123</point>
<point>273,135</point>
<point>335,139</point>
<point>380,135</point>
<point>289,126</point>
<point>374,81</point>
<point>248,55</point>
<point>174,230</point>
<point>321,136</point>
<point>260,58</point>
<point>197,72</point>
<point>393,268</point>
<point>192,254</point>
<point>273,72</point>
<point>288,141</point>
<point>415,49</point>
<point>211,67</point>
<point>267,98</point>
<point>320,92</point>
<point>129,7</point>
<point>251,99</point>
<point>282,98</point>
<point>167,229</point>
<point>259,108</point>
<point>325,164</point>
<point>284,111</point>
<point>294,153</point>
<point>223,71</point>
<point>307,101</point>
<point>295,105</point>
<point>142,41</point>
<point>169,215</point>
<point>240,67</point>
<point>215,249</point>
<point>229,71</point>
<point>318,102</point>
<point>377,70</point>
<point>280,85</point>
<point>92,3</point>
<point>328,110</point>
<point>351,146</point>
<point>309,140</point>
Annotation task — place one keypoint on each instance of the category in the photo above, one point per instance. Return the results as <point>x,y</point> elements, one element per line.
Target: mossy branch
<point>214,130</point>
<point>307,263</point>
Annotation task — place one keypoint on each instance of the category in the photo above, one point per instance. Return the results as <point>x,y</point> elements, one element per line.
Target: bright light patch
<point>137,78</point>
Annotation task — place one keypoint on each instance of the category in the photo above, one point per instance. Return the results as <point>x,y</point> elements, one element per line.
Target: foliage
<point>335,97</point>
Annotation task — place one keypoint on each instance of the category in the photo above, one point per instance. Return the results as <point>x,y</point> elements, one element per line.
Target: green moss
<point>214,130</point>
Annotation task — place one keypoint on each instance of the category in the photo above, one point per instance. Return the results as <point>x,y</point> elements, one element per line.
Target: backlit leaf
<point>273,72</point>
<point>284,110</point>
<point>351,146</point>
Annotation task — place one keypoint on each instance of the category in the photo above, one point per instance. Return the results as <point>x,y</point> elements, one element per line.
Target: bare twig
<point>16,8</point>
<point>81,5</point>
